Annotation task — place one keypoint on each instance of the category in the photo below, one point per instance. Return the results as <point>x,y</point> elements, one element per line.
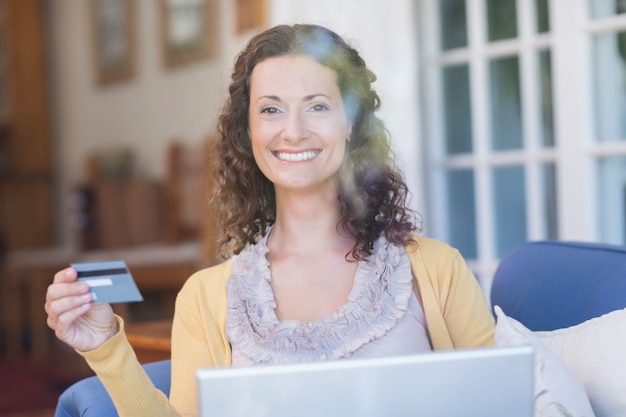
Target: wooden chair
<point>187,186</point>
<point>185,168</point>
<point>187,220</point>
<point>175,206</point>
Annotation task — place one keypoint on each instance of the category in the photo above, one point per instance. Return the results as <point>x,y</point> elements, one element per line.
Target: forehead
<point>287,72</point>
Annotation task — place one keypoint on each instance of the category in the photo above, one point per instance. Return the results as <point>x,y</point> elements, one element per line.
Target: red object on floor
<point>24,387</point>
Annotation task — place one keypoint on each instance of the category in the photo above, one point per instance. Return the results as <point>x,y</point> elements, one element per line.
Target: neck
<point>307,225</point>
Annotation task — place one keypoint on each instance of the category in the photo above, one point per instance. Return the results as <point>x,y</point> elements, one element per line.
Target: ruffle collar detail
<point>378,300</point>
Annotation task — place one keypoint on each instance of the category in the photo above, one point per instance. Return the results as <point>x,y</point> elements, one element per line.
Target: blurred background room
<point>508,118</point>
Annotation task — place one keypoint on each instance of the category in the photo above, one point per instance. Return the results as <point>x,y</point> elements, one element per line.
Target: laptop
<point>494,382</point>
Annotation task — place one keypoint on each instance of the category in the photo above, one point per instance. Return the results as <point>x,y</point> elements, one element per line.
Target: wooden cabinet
<point>120,213</point>
<point>26,169</point>
<point>26,211</point>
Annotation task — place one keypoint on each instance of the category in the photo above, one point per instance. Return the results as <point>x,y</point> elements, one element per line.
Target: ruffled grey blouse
<point>382,316</point>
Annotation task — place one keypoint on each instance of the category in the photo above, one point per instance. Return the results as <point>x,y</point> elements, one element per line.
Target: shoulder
<point>208,279</point>
<point>435,261</point>
<point>204,294</point>
<point>430,249</point>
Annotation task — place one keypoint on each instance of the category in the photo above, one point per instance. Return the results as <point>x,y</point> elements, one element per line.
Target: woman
<point>323,261</point>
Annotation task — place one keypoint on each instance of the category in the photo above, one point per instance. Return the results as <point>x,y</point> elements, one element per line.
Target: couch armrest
<point>89,398</point>
<point>548,285</point>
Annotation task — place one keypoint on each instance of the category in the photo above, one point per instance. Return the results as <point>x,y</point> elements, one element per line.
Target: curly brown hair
<point>372,193</point>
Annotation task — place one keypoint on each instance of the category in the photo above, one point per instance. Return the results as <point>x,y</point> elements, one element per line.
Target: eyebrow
<point>306,98</point>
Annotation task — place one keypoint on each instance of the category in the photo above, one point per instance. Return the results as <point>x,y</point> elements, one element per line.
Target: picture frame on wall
<point>114,42</point>
<point>5,85</point>
<point>251,14</point>
<point>189,30</point>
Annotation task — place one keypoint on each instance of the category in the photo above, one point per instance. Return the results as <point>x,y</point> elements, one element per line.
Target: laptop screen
<point>493,382</point>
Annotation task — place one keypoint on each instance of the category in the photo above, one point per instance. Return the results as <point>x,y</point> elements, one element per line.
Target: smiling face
<point>297,121</point>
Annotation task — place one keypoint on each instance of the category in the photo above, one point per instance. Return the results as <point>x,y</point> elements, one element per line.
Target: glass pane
<point>501,19</point>
<point>550,201</point>
<point>457,109</point>
<point>609,52</point>
<point>543,16</point>
<point>510,208</point>
<point>506,115</point>
<point>606,8</point>
<point>462,211</point>
<point>453,23</point>
<point>545,95</point>
<point>612,199</point>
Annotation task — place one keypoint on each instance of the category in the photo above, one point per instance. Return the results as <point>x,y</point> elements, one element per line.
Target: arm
<point>95,333</point>
<point>466,312</point>
<point>198,334</point>
<point>198,340</point>
<point>457,313</point>
<point>126,381</point>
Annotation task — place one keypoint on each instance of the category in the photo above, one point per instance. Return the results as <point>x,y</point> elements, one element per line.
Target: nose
<point>294,128</point>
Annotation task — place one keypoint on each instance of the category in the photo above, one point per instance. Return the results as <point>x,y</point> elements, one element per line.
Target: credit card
<point>110,281</point>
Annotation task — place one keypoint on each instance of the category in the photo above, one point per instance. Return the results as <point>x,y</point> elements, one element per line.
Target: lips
<point>296,156</point>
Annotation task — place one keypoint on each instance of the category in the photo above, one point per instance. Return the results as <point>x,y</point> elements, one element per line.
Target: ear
<point>349,135</point>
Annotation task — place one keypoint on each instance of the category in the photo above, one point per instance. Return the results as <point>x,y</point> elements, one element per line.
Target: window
<point>607,32</point>
<point>525,128</point>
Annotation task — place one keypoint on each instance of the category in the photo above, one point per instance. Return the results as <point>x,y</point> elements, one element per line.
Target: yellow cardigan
<point>457,316</point>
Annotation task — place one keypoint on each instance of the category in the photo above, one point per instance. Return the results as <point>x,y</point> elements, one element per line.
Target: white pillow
<point>557,390</point>
<point>596,352</point>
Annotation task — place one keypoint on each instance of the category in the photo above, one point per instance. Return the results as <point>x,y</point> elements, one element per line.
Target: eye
<point>270,110</point>
<point>320,107</point>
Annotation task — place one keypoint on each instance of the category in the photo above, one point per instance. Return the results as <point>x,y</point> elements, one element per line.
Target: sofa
<point>539,289</point>
<point>567,300</point>
<point>550,285</point>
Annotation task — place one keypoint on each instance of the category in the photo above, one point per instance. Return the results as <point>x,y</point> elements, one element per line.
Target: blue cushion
<point>89,398</point>
<point>548,285</point>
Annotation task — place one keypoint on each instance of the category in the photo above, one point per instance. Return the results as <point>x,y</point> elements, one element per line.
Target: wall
<point>386,38</point>
<point>159,104</point>
<point>145,112</point>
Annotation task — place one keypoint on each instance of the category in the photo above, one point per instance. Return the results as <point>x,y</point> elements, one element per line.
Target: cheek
<point>260,131</point>
<point>259,145</point>
<point>339,152</point>
<point>341,137</point>
<point>257,149</point>
<point>256,133</point>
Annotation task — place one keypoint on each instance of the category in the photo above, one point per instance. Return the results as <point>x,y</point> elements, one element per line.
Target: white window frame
<point>575,152</point>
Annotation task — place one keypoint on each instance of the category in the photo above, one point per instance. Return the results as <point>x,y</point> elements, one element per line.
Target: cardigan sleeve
<point>457,313</point>
<point>198,340</point>
<point>198,334</point>
<point>125,380</point>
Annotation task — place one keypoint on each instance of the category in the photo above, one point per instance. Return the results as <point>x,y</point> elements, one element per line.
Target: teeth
<point>296,157</point>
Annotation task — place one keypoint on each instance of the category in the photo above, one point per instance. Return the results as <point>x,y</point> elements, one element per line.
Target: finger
<point>65,326</point>
<point>67,317</point>
<point>65,275</point>
<point>61,290</point>
<point>65,284</point>
<point>57,305</point>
